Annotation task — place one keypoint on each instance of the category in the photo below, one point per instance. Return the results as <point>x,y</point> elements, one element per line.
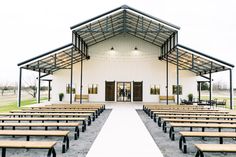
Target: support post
<point>231,89</point>
<point>19,87</point>
<point>71,76</point>
<point>199,91</point>
<point>39,86</point>
<point>81,79</point>
<point>210,89</point>
<point>49,90</point>
<point>167,78</point>
<point>177,70</point>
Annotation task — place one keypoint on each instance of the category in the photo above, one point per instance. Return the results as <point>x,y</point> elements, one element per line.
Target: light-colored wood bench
<point>169,97</point>
<point>198,125</point>
<point>55,111</point>
<point>220,135</point>
<point>230,117</point>
<point>164,124</point>
<point>83,97</point>
<point>29,133</point>
<point>183,112</point>
<point>88,115</point>
<point>83,120</point>
<point>214,148</point>
<point>29,145</point>
<point>44,125</point>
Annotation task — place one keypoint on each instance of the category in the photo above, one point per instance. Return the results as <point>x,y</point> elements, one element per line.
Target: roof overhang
<point>195,61</point>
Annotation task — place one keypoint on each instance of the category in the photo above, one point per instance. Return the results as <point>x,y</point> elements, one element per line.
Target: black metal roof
<point>196,61</point>
<point>125,19</point>
<point>52,61</point>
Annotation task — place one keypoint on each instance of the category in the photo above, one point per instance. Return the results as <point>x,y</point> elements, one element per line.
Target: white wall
<point>123,64</point>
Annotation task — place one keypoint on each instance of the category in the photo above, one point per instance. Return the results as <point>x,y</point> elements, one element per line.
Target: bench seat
<point>83,120</point>
<point>198,125</point>
<point>214,148</point>
<point>220,135</point>
<point>29,133</point>
<point>29,145</point>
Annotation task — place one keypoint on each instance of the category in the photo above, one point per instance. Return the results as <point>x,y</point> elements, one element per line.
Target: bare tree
<point>4,87</point>
<point>31,87</point>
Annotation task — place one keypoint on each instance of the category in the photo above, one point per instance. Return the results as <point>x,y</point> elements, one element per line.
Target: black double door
<point>123,91</point>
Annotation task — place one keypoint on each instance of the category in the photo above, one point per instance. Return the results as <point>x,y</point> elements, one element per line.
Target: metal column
<point>231,89</point>
<point>39,86</point>
<point>81,79</point>
<point>71,76</point>
<point>49,90</point>
<point>19,88</point>
<point>199,91</point>
<point>177,70</point>
<point>167,79</point>
<point>210,90</point>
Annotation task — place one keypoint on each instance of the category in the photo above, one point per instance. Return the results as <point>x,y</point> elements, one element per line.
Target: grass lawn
<point>13,105</point>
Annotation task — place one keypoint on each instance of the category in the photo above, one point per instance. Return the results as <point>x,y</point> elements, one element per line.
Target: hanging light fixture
<point>135,48</point>
<point>112,48</point>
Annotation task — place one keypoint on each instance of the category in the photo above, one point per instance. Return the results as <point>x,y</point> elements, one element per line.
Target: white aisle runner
<point>124,135</point>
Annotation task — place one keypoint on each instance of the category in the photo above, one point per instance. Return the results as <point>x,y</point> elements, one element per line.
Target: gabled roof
<point>125,19</point>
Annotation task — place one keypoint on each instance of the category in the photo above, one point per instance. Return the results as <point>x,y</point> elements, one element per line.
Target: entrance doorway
<point>110,91</point>
<point>137,91</point>
<point>124,91</point>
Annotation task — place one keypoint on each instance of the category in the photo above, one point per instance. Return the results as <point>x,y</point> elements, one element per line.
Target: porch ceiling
<point>196,61</point>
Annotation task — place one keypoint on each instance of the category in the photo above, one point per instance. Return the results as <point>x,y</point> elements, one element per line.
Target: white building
<point>126,55</point>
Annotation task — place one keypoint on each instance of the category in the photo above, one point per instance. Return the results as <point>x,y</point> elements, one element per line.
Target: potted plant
<point>61,95</point>
<point>190,97</point>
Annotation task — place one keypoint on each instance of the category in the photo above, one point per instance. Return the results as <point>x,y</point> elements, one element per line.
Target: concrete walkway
<point>124,135</point>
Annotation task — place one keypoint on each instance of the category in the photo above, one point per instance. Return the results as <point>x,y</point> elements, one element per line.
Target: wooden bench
<point>229,117</point>
<point>55,111</point>
<point>83,120</point>
<point>45,125</point>
<point>88,115</point>
<point>164,124</point>
<point>29,133</point>
<point>214,148</point>
<point>197,125</point>
<point>154,114</point>
<point>83,97</point>
<point>169,97</point>
<point>29,145</point>
<point>220,135</point>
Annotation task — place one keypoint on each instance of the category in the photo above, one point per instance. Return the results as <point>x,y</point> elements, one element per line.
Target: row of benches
<point>175,116</point>
<point>56,115</point>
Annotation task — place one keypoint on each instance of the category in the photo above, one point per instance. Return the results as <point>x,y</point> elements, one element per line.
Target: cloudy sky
<point>29,27</point>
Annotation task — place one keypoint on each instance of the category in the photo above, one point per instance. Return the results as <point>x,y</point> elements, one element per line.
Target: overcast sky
<point>29,27</point>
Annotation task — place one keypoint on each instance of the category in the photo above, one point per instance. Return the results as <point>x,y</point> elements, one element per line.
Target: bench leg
<point>155,118</point>
<point>164,127</point>
<point>199,154</point>
<point>182,142</point>
<point>51,152</point>
<point>3,152</point>
<point>94,117</point>
<point>84,126</point>
<point>159,122</point>
<point>65,144</point>
<point>89,120</point>
<point>76,133</point>
<point>172,134</point>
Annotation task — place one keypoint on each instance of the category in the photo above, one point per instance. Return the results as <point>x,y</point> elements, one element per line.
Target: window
<point>68,89</point>
<point>174,89</point>
<point>93,89</point>
<point>155,90</point>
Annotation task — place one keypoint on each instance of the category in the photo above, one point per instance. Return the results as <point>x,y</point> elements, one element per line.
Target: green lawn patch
<point>13,105</point>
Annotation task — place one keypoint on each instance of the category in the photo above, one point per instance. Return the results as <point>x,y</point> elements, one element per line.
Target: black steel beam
<point>231,89</point>
<point>71,77</point>
<point>19,87</point>
<point>81,80</point>
<point>177,73</point>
